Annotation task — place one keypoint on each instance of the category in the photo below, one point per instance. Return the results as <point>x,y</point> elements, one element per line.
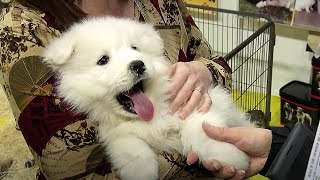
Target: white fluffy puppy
<point>304,4</point>
<point>115,71</point>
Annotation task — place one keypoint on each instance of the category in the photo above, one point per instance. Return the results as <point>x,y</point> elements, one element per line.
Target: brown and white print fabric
<point>63,143</point>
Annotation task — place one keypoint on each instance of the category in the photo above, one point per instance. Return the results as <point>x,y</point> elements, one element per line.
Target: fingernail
<point>181,116</point>
<point>188,162</point>
<point>232,170</point>
<point>217,166</point>
<point>242,173</point>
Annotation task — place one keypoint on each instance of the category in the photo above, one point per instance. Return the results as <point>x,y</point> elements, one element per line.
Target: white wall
<point>229,4</point>
<point>291,61</point>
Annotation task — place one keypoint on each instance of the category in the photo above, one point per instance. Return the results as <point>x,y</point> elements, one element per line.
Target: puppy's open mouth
<point>135,101</point>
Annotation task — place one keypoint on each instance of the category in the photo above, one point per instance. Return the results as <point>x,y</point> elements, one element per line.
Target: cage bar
<point>246,41</point>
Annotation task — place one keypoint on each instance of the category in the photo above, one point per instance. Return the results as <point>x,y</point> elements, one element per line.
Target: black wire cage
<point>246,40</point>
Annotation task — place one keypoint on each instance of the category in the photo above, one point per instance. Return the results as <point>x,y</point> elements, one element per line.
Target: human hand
<point>256,142</point>
<point>189,87</point>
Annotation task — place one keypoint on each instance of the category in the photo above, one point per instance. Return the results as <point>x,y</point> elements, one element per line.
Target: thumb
<point>225,134</point>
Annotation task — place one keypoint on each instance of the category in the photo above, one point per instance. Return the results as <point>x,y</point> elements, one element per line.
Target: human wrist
<point>209,68</point>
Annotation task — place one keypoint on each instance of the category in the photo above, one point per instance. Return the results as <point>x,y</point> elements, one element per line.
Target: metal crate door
<point>246,40</point>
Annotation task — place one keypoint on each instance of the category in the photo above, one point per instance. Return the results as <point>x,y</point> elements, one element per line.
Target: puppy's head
<point>110,63</point>
<point>299,110</point>
<point>286,106</point>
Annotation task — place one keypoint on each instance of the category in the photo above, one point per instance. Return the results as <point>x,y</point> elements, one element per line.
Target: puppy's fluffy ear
<point>59,51</point>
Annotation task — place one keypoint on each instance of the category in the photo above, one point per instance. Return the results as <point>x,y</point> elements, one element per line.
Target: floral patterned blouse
<point>64,144</point>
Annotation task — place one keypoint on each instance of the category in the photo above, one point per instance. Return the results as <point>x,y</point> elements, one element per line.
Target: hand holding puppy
<point>189,87</point>
<point>256,142</point>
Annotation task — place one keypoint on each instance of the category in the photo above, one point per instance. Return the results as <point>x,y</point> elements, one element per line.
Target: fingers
<point>183,95</point>
<point>225,172</point>
<point>207,102</point>
<point>256,165</point>
<point>177,84</point>
<point>215,167</point>
<point>253,141</point>
<point>240,174</point>
<point>192,158</point>
<point>181,87</point>
<point>179,75</point>
<point>192,103</point>
<point>212,165</point>
<point>198,99</point>
<point>188,88</point>
<point>230,173</point>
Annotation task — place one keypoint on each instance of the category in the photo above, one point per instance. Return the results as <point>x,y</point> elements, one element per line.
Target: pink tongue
<point>141,104</point>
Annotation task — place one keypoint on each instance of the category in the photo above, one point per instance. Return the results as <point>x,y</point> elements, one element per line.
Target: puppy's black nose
<point>137,67</point>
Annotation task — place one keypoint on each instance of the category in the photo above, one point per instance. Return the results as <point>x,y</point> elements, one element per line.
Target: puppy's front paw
<point>193,138</point>
<point>140,169</point>
<point>133,159</point>
<point>307,10</point>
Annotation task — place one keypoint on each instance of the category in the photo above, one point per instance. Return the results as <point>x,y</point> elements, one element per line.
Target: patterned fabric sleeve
<point>200,50</point>
<point>62,143</point>
<point>24,34</point>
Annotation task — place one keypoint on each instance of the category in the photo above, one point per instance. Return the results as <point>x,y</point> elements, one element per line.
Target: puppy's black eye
<point>103,60</point>
<point>134,47</point>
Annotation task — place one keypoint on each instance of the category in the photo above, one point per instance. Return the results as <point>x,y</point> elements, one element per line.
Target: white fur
<point>6,1</point>
<point>298,5</point>
<point>304,4</point>
<point>132,143</point>
<point>289,4</point>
